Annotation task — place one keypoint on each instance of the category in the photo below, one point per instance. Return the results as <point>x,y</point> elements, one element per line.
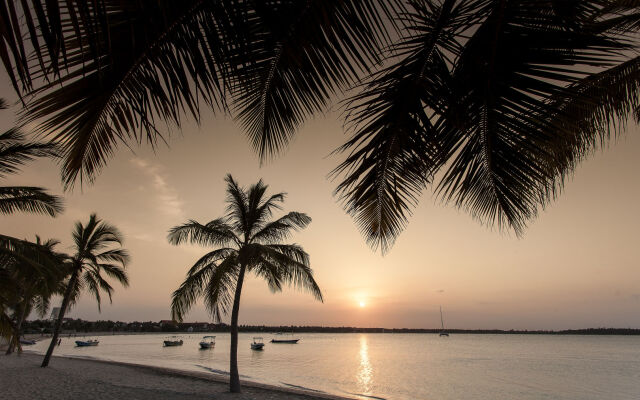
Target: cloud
<point>167,199</point>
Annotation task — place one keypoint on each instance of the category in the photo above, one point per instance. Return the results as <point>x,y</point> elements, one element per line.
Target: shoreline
<point>127,379</point>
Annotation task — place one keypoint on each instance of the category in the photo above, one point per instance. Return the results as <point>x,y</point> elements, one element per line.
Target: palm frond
<point>115,271</point>
<point>212,257</point>
<point>498,169</point>
<point>212,281</point>
<point>282,228</point>
<point>298,55</point>
<point>118,255</point>
<point>219,289</point>
<point>96,95</point>
<point>92,285</point>
<point>237,208</point>
<point>599,107</point>
<point>291,264</point>
<point>15,151</point>
<point>28,199</point>
<point>394,150</point>
<point>270,272</point>
<point>215,233</point>
<point>189,291</point>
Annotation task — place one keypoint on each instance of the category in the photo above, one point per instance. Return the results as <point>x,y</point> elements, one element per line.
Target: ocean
<point>403,366</point>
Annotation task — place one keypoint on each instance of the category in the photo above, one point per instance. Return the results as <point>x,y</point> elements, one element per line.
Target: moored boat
<point>291,341</point>
<point>257,343</point>
<point>86,343</point>
<point>173,341</point>
<point>208,342</point>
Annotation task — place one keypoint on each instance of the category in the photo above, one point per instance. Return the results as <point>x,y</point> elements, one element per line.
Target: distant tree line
<point>82,326</point>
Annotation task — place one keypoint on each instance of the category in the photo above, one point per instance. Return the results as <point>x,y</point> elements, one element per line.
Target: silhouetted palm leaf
<point>479,95</point>
<point>110,71</point>
<point>28,199</point>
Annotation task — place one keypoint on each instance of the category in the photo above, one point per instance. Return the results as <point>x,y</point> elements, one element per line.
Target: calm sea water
<point>406,366</point>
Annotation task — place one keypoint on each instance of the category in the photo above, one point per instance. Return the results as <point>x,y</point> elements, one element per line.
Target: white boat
<point>442,332</point>
<point>173,341</point>
<point>207,342</point>
<point>86,343</point>
<point>257,343</point>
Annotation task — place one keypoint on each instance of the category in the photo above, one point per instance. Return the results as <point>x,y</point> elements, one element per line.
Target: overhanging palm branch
<point>394,150</point>
<point>109,72</point>
<point>473,92</point>
<point>477,95</point>
<point>15,151</point>
<point>28,199</point>
<point>300,54</point>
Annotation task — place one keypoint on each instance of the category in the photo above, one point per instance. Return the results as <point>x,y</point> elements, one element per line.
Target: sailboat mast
<point>441,320</point>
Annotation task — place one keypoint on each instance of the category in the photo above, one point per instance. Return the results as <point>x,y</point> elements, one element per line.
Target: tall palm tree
<point>36,273</point>
<point>98,254</point>
<point>246,240</point>
<point>497,99</point>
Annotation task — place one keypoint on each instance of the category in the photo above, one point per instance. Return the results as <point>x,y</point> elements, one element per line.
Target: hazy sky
<point>577,265</point>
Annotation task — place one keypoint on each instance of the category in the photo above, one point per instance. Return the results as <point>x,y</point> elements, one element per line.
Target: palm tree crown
<point>246,240</point>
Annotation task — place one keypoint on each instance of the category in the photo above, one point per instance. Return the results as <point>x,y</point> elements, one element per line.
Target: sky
<point>577,265</point>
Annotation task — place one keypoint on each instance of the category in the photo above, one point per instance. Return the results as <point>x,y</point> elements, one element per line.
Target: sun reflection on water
<point>365,371</point>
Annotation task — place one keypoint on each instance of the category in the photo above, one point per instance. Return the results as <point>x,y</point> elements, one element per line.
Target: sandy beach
<point>71,378</point>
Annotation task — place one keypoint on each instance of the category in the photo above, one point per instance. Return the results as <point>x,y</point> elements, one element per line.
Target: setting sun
<point>362,304</point>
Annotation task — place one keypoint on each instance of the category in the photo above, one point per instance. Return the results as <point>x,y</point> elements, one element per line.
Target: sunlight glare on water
<point>365,372</point>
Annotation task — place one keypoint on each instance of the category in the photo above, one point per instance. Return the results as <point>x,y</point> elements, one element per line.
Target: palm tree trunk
<point>63,308</point>
<point>234,379</point>
<point>15,341</point>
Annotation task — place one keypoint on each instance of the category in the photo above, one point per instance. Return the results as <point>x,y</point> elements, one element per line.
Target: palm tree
<point>492,103</point>
<point>35,273</point>
<point>246,240</point>
<point>98,253</point>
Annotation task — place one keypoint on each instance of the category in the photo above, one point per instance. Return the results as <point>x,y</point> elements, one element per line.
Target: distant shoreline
<point>223,328</point>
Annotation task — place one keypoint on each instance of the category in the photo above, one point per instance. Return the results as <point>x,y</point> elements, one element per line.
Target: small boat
<point>257,343</point>
<point>27,342</point>
<point>86,343</point>
<point>442,332</point>
<point>289,338</point>
<point>292,341</point>
<point>208,342</point>
<point>173,341</point>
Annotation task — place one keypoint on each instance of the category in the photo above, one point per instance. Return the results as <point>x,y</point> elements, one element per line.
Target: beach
<point>72,378</point>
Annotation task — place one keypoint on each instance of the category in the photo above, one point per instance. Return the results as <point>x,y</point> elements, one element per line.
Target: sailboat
<point>442,331</point>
